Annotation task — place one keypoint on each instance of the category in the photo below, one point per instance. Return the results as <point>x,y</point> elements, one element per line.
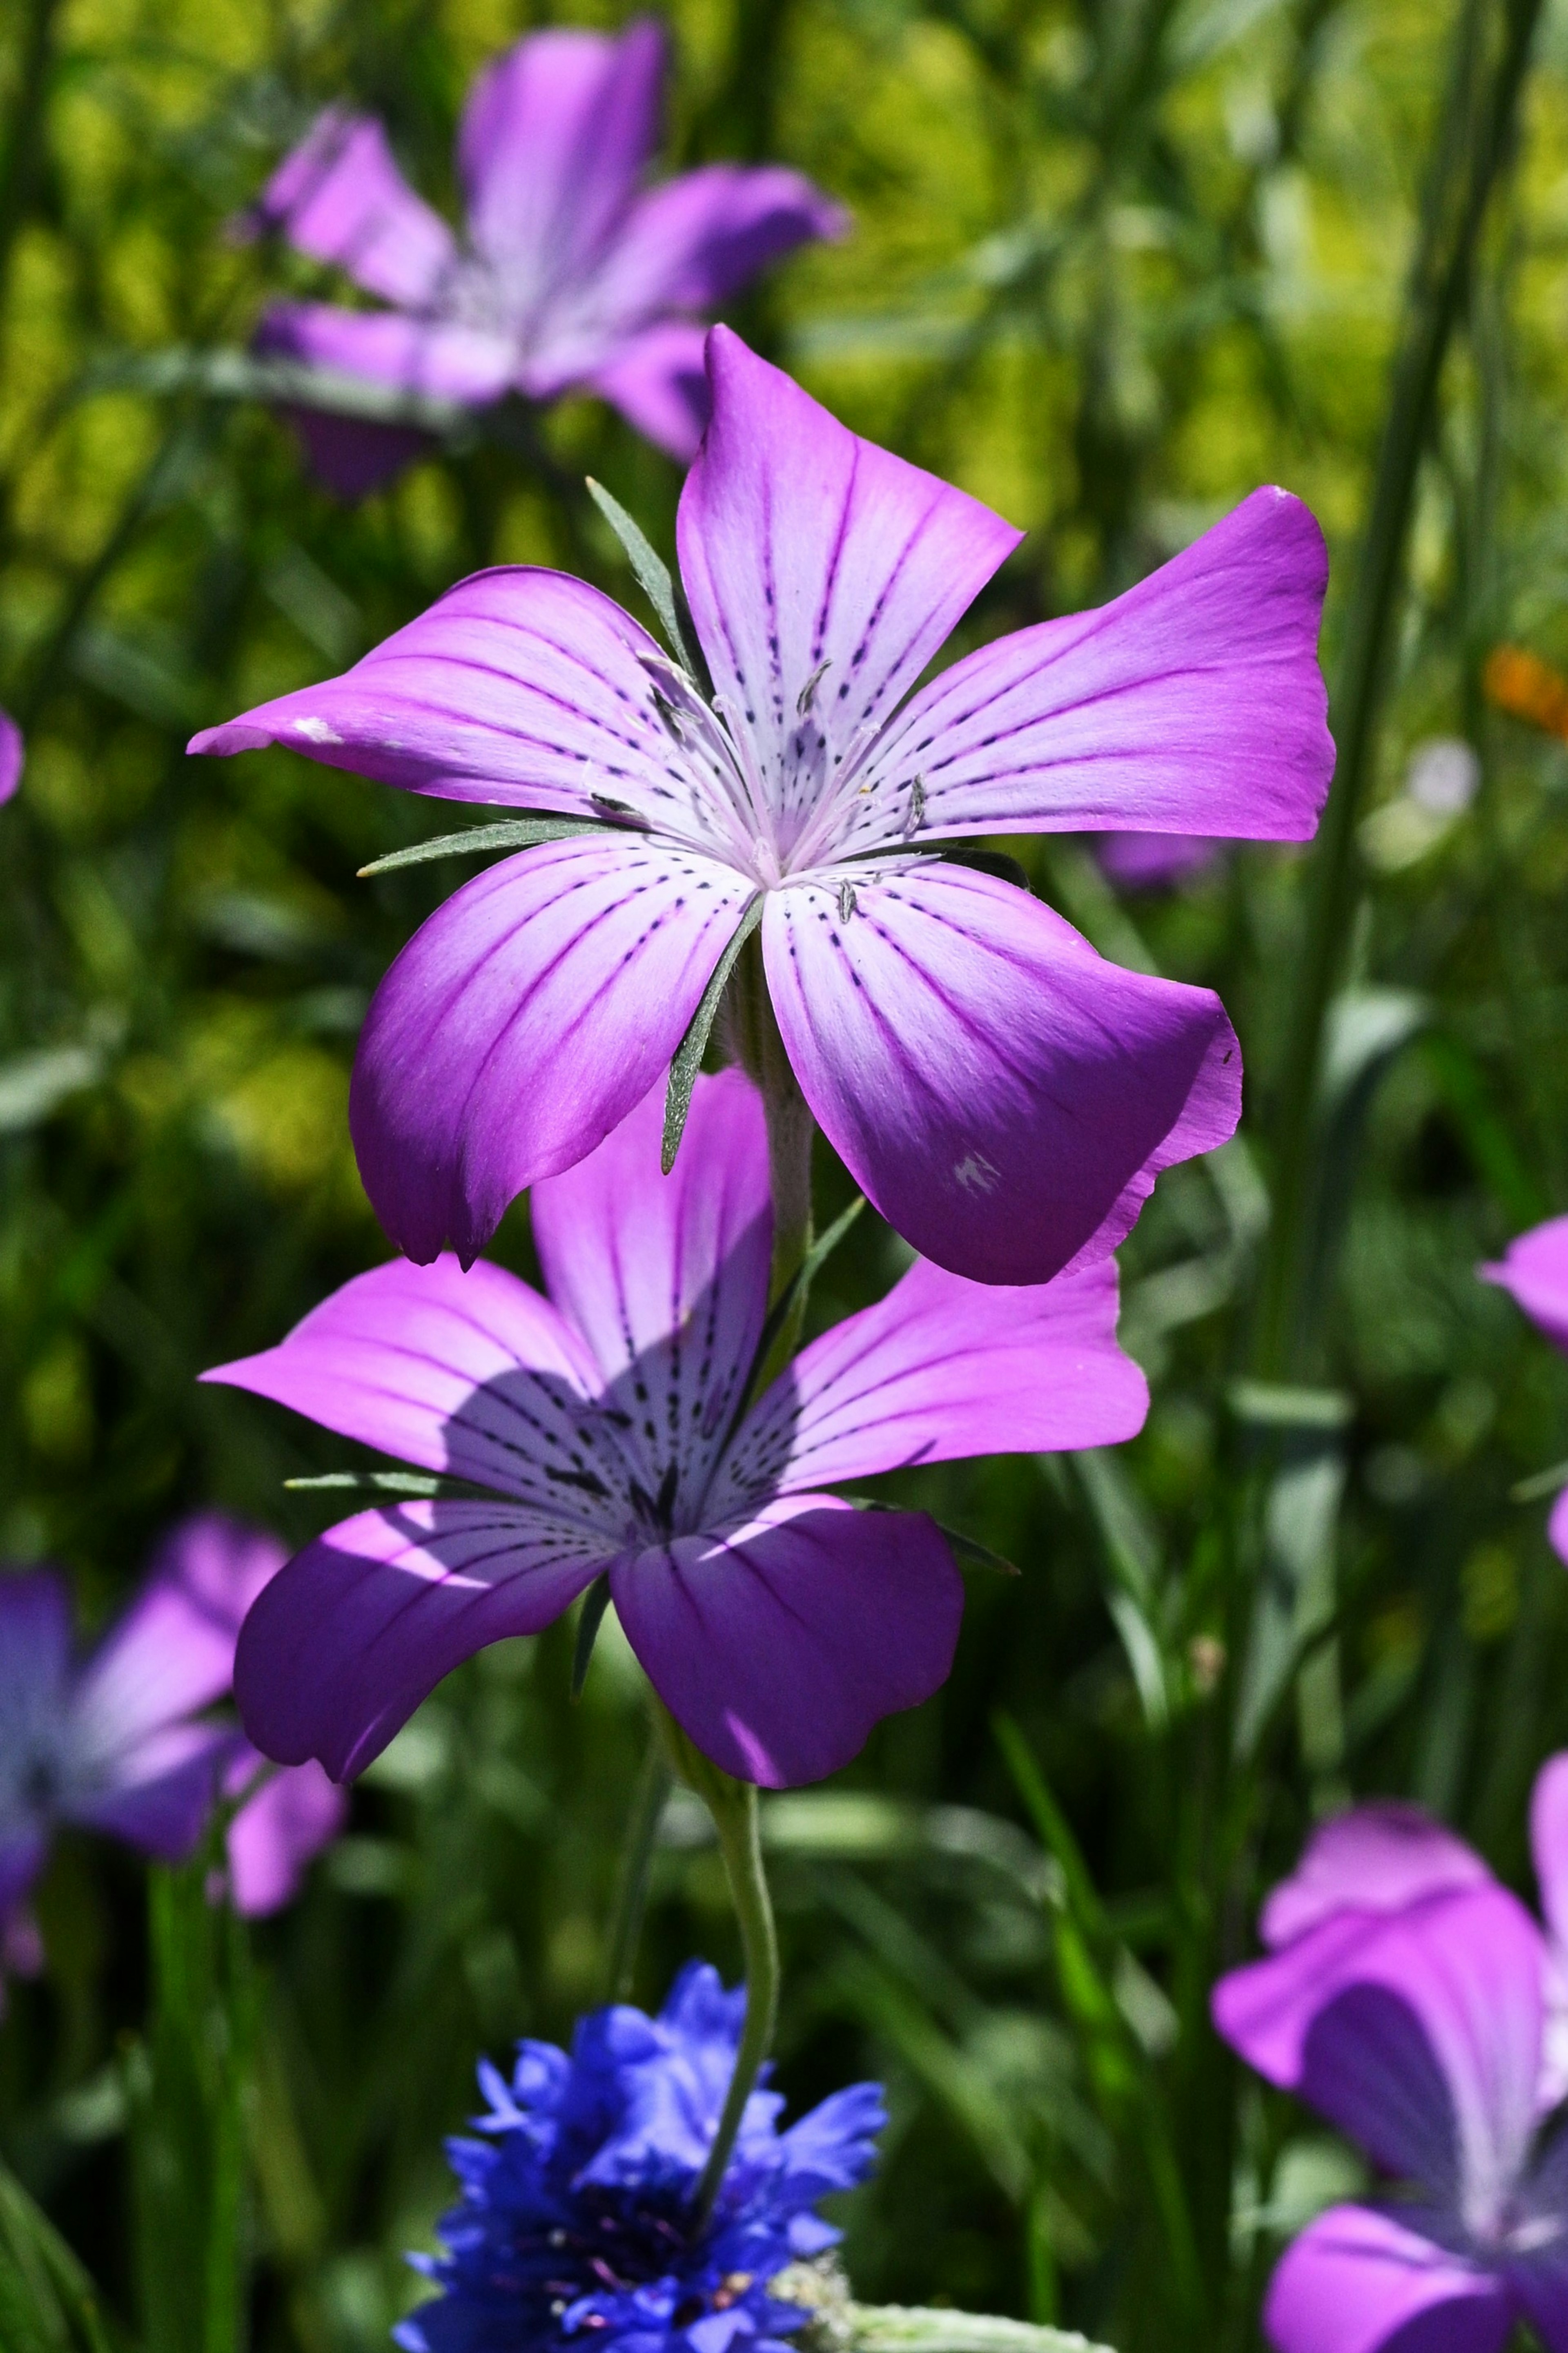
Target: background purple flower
<point>1003,1095</point>
<point>573,273</point>
<point>777,1623</point>
<point>1534,1268</point>
<point>1408,2001</point>
<point>118,1742</point>
<point>11,755</point>
<point>1154,861</point>
<point>575,2217</point>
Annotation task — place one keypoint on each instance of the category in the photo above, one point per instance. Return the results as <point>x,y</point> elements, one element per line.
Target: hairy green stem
<point>1491,52</point>
<point>734,1806</point>
<point>752,1033</point>
<point>636,1869</point>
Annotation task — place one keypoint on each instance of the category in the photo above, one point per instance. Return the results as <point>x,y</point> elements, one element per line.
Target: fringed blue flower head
<point>576,2214</point>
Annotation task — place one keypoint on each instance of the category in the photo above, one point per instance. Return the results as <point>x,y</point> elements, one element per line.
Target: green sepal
<point>653,575</point>
<point>385,1482</point>
<point>590,1618</point>
<point>688,1060</point>
<point>968,1548</point>
<point>512,833</point>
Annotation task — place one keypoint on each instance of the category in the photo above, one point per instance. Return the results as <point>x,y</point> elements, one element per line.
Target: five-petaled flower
<point>577,2217</point>
<point>1534,1270</point>
<point>573,273</point>
<point>1419,2006</point>
<point>777,1623</point>
<point>119,1742</point>
<point>1003,1095</point>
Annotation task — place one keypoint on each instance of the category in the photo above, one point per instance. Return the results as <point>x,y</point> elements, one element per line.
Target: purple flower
<point>575,2217</point>
<point>11,752</point>
<point>1003,1096</point>
<point>1534,1268</point>
<point>573,273</point>
<point>1418,2006</point>
<point>118,1742</point>
<point>1154,861</point>
<point>777,1623</point>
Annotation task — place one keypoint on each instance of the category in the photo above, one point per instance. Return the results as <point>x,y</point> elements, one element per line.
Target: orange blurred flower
<point>1527,688</point>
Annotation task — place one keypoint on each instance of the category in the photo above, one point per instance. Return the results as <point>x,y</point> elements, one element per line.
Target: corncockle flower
<point>1154,861</point>
<point>11,750</point>
<point>778,1623</point>
<point>1003,1095</point>
<point>1409,2001</point>
<point>573,274</point>
<point>1534,1268</point>
<point>117,1743</point>
<point>576,2221</point>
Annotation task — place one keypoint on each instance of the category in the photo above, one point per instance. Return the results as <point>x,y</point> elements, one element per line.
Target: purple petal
<point>157,1794</point>
<point>800,544</point>
<point>690,245</point>
<point>523,1022</point>
<point>35,1635</point>
<point>1418,2033</point>
<point>341,198</point>
<point>659,380</point>
<point>364,1622</point>
<point>427,358</point>
<point>1549,1841</point>
<point>518,687</point>
<point>1192,704</point>
<point>277,1832</point>
<point>1557,1527</point>
<point>172,1650</point>
<point>1376,1858</point>
<point>1154,861</point>
<point>11,755</point>
<point>667,1277</point>
<point>1003,1095</point>
<point>939,1369</point>
<point>778,1644</point>
<point>554,139</point>
<point>1356,2280</point>
<point>350,458</point>
<point>1535,1270</point>
<point>21,1859</point>
<point>472,1374</point>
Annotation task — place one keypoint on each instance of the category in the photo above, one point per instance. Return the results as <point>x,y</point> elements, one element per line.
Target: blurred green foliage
<point>1113,263</point>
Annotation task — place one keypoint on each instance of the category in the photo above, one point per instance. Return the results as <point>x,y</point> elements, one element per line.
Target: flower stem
<point>755,1044</point>
<point>734,1806</point>
<point>636,1869</point>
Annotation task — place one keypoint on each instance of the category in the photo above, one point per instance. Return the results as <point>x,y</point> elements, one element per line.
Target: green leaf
<point>512,833</point>
<point>653,575</point>
<point>968,1548</point>
<point>590,1618</point>
<point>48,2303</point>
<point>912,2329</point>
<point>384,1482</point>
<point>689,1054</point>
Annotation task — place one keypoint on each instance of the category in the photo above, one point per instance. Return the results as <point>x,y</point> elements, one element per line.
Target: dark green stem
<point>636,1869</point>
<point>1491,52</point>
<point>734,1806</point>
<point>755,1042</point>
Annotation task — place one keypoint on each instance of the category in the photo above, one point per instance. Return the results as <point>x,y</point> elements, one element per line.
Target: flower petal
<point>518,687</point>
<point>523,1022</point>
<point>667,1277</point>
<point>160,1792</point>
<point>11,755</point>
<point>1534,1268</point>
<point>34,1637</point>
<point>939,1369</point>
<point>659,380</point>
<point>1154,861</point>
<point>341,198</point>
<point>778,1644</point>
<point>1419,2034</point>
<point>21,1859</point>
<point>1549,1841</point>
<point>800,546</point>
<point>1003,1095</point>
<point>1356,2280</point>
<point>472,1374</point>
<point>692,243</point>
<point>273,1838</point>
<point>427,358</point>
<point>172,1650</point>
<point>1192,704</point>
<point>350,457</point>
<point>1376,1858</point>
<point>554,137</point>
<point>364,1623</point>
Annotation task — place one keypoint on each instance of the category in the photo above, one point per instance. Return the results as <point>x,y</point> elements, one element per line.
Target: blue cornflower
<point>575,2218</point>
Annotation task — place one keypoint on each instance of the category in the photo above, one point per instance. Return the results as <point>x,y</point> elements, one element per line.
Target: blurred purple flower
<point>777,1623</point>
<point>117,1742</point>
<point>11,754</point>
<point>1417,2004</point>
<point>1154,861</point>
<point>1003,1095</point>
<point>1534,1268</point>
<point>575,2220</point>
<point>573,274</point>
